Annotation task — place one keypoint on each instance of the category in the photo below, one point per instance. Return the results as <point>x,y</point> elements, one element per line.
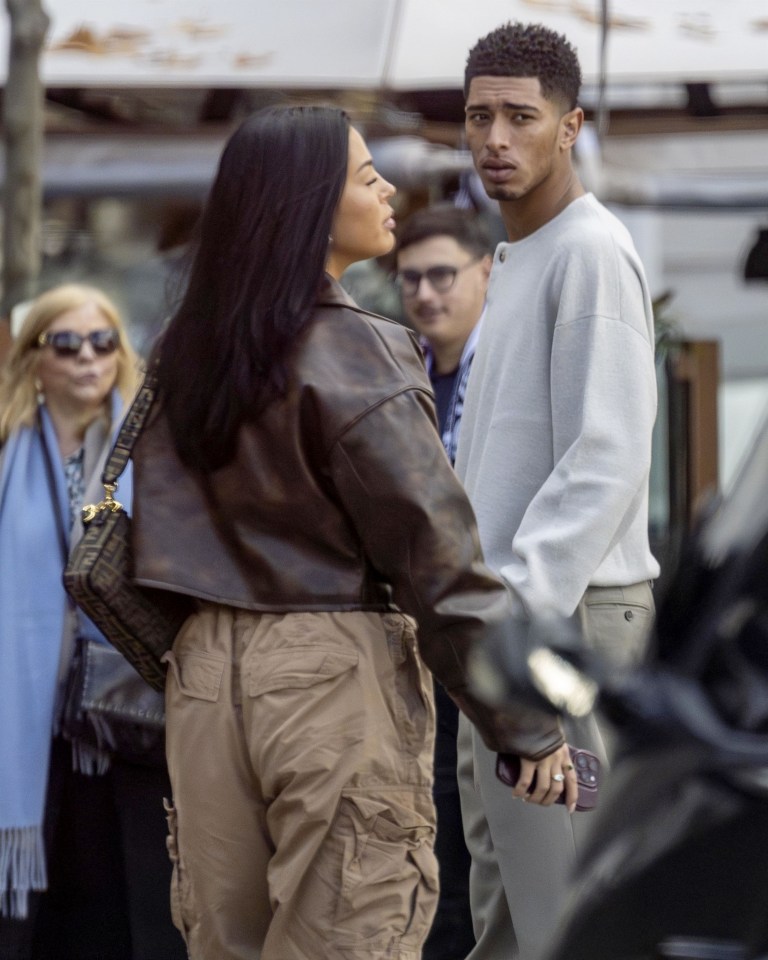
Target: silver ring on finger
<point>558,777</point>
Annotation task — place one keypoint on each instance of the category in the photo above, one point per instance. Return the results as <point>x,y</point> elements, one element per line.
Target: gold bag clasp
<point>91,510</point>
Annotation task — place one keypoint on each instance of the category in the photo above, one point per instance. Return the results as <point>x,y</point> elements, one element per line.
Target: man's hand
<point>553,775</point>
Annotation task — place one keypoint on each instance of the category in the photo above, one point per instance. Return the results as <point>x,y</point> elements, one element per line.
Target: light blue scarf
<point>34,614</point>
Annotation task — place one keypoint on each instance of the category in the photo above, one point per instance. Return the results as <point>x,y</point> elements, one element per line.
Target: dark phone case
<point>587,767</point>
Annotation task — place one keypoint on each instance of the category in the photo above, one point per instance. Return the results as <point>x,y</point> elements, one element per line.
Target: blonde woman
<point>65,383</point>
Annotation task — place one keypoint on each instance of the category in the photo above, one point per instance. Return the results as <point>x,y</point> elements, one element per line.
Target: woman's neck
<point>70,428</point>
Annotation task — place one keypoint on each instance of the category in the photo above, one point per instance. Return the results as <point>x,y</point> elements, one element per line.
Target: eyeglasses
<point>441,278</point>
<point>67,343</point>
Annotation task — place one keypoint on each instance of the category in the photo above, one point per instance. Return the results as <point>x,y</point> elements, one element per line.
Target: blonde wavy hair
<point>18,394</point>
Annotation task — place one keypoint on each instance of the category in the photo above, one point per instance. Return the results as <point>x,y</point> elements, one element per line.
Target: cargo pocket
<point>389,881</point>
<point>181,895</point>
<point>197,675</point>
<point>305,710</point>
<point>297,668</point>
<point>413,698</point>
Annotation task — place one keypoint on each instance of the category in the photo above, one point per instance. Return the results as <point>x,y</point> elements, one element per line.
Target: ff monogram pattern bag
<point>141,623</point>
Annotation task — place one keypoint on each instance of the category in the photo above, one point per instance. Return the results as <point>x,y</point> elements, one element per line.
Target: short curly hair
<point>528,50</point>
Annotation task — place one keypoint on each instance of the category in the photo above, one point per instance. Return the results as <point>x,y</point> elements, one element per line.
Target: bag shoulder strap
<point>50,480</point>
<point>131,428</point>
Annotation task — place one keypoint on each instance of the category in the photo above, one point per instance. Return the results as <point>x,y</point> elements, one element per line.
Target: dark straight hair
<point>258,266</point>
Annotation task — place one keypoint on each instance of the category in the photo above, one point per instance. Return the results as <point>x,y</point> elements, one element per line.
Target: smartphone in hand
<point>585,763</point>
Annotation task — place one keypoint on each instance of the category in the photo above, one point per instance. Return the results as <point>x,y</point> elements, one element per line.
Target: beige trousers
<point>523,855</point>
<point>616,622</point>
<point>300,753</point>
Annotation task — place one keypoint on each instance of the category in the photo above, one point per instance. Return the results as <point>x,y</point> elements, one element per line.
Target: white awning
<point>375,44</point>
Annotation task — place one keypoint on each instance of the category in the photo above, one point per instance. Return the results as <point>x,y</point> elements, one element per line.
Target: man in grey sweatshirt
<point>554,450</point>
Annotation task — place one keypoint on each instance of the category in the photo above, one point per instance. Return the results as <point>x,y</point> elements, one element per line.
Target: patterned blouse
<point>75,474</point>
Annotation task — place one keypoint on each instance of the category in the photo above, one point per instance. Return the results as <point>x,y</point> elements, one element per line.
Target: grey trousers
<point>300,753</point>
<point>523,855</point>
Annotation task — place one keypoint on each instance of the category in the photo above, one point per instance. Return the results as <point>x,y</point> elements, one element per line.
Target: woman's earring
<point>330,240</point>
<point>39,390</point>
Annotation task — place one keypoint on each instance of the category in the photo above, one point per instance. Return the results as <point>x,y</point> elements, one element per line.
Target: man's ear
<point>570,125</point>
<point>486,263</point>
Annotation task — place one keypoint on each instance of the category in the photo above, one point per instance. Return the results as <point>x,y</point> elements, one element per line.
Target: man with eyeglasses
<point>443,262</point>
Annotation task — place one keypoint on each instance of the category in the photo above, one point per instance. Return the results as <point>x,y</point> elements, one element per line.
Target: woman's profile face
<point>363,225</point>
<point>77,383</point>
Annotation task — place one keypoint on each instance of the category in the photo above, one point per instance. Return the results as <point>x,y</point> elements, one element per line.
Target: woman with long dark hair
<point>291,480</point>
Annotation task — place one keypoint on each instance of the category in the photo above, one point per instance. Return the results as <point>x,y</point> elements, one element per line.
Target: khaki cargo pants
<point>300,753</point>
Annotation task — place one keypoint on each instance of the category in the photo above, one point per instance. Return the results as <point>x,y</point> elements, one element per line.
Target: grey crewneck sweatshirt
<point>555,443</point>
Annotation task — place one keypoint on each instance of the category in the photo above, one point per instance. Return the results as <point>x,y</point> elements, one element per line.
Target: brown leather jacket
<point>341,498</point>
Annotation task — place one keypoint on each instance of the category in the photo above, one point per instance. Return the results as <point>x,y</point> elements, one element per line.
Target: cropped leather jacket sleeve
<point>419,532</point>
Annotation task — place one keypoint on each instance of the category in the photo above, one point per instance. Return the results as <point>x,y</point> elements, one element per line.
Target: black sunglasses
<point>441,278</point>
<point>67,343</point>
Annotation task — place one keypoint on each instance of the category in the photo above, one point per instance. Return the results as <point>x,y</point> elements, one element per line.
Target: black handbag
<point>141,623</point>
<point>109,709</point>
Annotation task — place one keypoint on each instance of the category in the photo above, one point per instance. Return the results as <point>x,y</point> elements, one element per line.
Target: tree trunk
<point>23,123</point>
